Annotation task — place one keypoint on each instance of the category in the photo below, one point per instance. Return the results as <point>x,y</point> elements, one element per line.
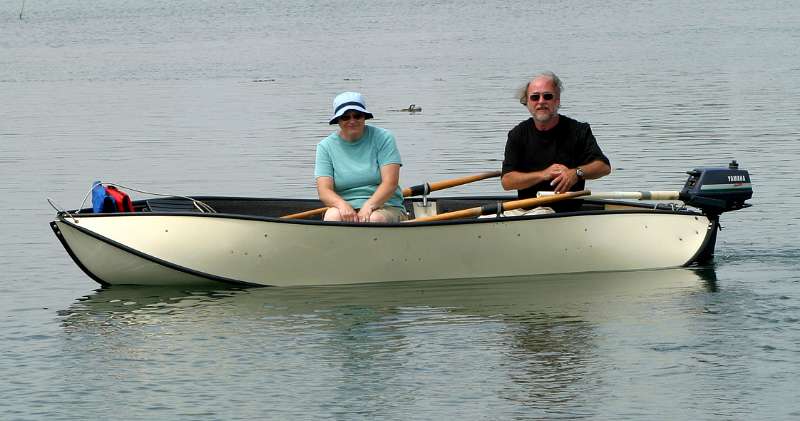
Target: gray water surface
<point>230,98</point>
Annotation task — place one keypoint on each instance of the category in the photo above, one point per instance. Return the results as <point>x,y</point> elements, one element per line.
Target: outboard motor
<point>717,190</point>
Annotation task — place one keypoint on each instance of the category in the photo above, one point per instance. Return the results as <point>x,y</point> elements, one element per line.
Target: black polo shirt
<point>570,143</point>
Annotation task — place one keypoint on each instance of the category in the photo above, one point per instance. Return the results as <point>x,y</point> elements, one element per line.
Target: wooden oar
<point>501,207</point>
<point>446,184</point>
<point>629,195</point>
<point>413,191</point>
<point>305,214</point>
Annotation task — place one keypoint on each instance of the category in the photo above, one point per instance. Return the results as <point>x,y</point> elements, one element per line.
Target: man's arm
<point>568,177</point>
<point>518,180</point>
<point>595,169</point>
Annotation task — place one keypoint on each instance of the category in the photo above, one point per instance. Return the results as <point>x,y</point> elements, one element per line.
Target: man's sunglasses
<point>347,117</point>
<point>547,96</point>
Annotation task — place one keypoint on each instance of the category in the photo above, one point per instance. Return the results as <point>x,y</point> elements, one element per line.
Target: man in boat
<point>550,151</point>
<point>357,167</point>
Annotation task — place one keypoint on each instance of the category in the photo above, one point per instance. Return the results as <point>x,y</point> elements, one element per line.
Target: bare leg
<point>332,214</point>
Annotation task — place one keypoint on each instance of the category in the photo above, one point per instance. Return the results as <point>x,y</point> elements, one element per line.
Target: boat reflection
<point>708,275</point>
<point>554,298</point>
<point>535,342</point>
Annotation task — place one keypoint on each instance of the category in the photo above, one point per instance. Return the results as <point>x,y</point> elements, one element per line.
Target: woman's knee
<point>332,214</point>
<point>379,217</point>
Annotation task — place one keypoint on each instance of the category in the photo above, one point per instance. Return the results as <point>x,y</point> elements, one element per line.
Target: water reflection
<point>118,306</point>
<point>540,343</point>
<point>708,274</point>
<point>554,298</point>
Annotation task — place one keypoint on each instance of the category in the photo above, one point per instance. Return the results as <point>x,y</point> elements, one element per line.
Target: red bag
<point>121,199</point>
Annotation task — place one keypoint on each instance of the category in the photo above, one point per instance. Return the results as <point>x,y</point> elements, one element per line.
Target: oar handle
<point>630,195</point>
<point>305,214</point>
<point>505,206</point>
<point>446,184</point>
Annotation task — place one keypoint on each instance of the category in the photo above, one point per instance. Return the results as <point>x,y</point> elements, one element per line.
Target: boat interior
<point>710,191</point>
<point>416,207</point>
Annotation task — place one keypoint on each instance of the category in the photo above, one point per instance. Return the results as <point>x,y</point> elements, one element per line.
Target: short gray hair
<point>522,93</point>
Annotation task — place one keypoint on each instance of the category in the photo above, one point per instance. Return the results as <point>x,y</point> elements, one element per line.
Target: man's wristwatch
<point>579,172</point>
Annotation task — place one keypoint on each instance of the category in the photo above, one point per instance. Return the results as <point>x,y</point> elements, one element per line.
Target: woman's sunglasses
<point>347,117</point>
<point>547,96</point>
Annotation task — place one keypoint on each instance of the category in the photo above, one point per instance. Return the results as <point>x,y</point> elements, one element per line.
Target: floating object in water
<point>413,108</point>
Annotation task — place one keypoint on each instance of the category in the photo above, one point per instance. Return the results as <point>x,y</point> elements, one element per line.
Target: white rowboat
<point>246,242</point>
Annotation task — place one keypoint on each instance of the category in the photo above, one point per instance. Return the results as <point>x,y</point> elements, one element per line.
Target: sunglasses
<point>347,117</point>
<point>547,96</point>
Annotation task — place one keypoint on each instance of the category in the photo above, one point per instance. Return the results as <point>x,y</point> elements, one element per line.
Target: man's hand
<point>553,171</point>
<point>563,178</point>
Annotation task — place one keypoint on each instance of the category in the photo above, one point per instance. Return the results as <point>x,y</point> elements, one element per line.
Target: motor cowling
<point>717,190</point>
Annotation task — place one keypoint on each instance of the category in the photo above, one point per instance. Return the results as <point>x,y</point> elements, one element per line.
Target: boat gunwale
<point>640,208</point>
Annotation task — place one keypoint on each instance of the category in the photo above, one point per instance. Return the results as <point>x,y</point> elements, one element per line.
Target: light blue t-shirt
<point>356,166</point>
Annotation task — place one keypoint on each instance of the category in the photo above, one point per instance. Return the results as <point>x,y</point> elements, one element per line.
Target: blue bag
<point>101,201</point>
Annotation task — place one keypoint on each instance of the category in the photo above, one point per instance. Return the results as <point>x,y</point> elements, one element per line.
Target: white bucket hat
<point>348,101</point>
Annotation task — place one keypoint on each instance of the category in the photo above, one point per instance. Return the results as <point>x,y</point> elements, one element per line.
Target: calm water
<point>208,97</point>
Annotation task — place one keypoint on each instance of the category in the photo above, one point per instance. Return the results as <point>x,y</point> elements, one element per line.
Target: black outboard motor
<point>717,190</point>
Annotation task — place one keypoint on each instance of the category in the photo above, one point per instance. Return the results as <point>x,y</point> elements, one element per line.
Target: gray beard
<point>544,119</point>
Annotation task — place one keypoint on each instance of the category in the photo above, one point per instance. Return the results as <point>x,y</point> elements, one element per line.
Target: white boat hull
<point>162,249</point>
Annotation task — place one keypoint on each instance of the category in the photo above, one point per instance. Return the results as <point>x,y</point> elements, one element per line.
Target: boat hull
<point>178,249</point>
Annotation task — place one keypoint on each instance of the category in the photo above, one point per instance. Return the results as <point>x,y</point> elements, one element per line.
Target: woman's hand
<point>365,212</point>
<point>335,203</point>
<point>347,213</point>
